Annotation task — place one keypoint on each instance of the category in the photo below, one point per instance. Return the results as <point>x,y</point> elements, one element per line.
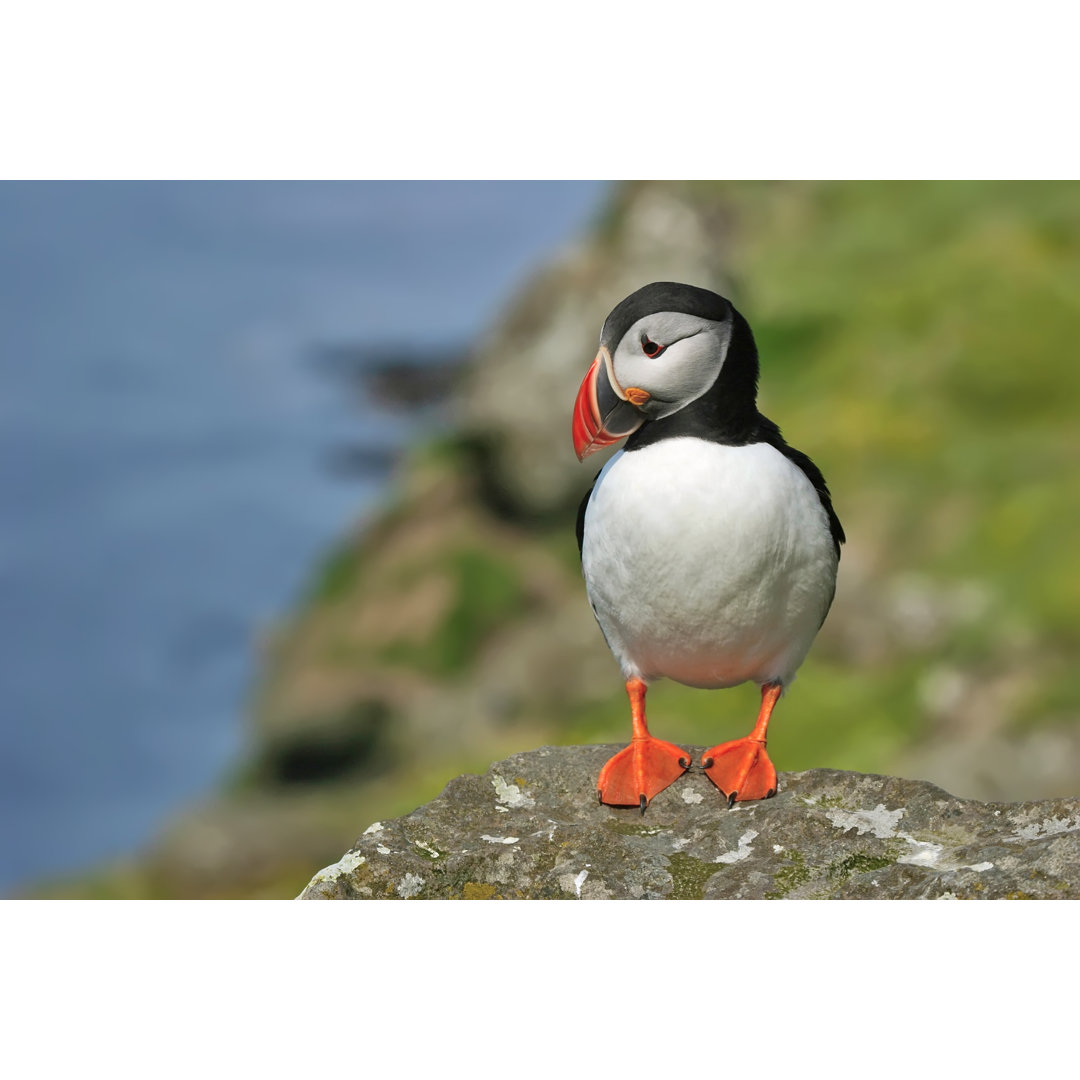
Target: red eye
<point>650,348</point>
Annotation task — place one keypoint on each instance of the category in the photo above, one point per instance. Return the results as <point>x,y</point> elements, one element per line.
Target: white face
<point>687,353</point>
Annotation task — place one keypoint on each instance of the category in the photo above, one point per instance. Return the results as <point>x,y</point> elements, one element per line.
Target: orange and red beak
<point>604,413</point>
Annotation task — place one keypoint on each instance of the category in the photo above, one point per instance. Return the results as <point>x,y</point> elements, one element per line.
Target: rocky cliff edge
<point>531,828</point>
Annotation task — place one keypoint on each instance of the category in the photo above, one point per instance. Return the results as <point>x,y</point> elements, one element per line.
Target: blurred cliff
<point>918,340</point>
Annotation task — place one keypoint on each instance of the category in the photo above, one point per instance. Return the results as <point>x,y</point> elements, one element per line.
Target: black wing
<point>581,514</point>
<point>769,433</point>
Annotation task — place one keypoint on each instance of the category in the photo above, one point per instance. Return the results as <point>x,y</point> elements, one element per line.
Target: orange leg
<point>741,769</point>
<point>636,775</point>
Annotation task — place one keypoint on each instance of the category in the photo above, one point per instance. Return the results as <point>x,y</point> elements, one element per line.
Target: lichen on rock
<point>826,835</point>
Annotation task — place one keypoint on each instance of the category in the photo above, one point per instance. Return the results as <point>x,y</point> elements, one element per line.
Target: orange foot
<point>741,769</point>
<point>636,775</point>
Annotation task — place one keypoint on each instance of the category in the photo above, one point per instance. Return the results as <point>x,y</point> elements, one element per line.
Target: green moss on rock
<point>688,876</point>
<point>790,877</point>
<point>858,863</point>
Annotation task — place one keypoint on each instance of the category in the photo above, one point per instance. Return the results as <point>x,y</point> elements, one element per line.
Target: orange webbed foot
<point>636,775</point>
<point>741,769</point>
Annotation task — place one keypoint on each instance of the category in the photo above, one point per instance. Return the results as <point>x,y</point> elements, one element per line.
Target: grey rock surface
<point>531,828</point>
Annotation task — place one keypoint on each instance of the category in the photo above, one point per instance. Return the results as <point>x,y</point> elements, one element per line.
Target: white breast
<point>707,564</point>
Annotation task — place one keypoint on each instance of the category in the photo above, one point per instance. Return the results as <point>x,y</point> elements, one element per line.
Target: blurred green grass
<point>842,723</point>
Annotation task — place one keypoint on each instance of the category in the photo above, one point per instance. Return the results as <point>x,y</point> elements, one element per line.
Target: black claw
<point>731,799</point>
<point>643,802</point>
<point>707,763</point>
<point>684,763</point>
<point>772,792</point>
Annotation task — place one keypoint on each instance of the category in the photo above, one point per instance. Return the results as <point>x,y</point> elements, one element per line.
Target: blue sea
<point>166,450</point>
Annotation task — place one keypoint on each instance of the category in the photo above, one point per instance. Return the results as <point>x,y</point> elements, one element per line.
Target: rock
<point>531,828</point>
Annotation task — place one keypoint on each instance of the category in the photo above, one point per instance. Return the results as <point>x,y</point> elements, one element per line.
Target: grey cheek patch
<point>686,369</point>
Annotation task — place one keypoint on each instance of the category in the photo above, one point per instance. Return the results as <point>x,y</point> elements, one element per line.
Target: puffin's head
<point>661,349</point>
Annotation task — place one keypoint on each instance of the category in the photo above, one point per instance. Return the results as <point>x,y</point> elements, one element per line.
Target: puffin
<point>709,546</point>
